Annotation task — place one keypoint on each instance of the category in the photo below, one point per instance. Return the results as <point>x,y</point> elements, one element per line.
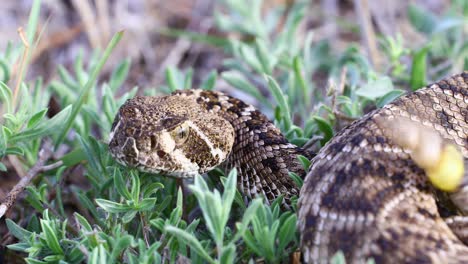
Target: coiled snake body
<point>363,194</point>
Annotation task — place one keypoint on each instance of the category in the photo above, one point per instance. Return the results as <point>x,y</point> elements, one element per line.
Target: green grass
<point>133,217</point>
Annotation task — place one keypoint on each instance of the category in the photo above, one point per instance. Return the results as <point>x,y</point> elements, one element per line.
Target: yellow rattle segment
<point>442,161</point>
<point>448,173</point>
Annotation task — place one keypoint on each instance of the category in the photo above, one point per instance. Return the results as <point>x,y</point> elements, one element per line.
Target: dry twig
<point>44,154</point>
<point>13,159</point>
<point>334,93</point>
<point>104,20</point>
<point>88,17</point>
<point>22,65</point>
<point>57,39</point>
<point>367,31</point>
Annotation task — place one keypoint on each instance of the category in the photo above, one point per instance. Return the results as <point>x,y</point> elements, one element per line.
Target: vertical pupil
<point>153,142</point>
<point>182,133</point>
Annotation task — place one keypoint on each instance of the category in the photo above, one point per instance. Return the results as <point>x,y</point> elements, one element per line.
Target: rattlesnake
<point>363,194</point>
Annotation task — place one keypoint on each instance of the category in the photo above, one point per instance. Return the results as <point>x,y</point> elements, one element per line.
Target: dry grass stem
<point>44,154</point>
<point>368,32</point>
<point>89,19</point>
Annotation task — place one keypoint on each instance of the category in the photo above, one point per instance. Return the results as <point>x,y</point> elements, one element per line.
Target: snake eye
<point>181,133</point>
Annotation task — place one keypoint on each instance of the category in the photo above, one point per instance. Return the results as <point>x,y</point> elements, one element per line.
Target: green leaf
<point>389,97</point>
<point>34,198</point>
<point>44,128</point>
<point>4,72</point>
<point>120,184</point>
<point>33,21</point>
<point>119,75</point>
<point>158,223</point>
<point>287,232</point>
<point>338,258</point>
<point>149,189</point>
<point>23,247</point>
<point>98,255</point>
<point>7,133</point>
<point>174,79</point>
<point>264,56</point>
<point>113,207</point>
<point>109,105</point>
<point>418,69</point>
<point>17,231</point>
<point>75,256</point>
<point>449,23</point>
<point>135,191</point>
<point>3,167</point>
<point>180,201</point>
<point>249,56</point>
<point>213,215</point>
<point>118,247</point>
<point>325,128</point>
<point>83,222</point>
<point>128,216</point>
<point>14,151</point>
<point>228,195</point>
<point>249,214</point>
<point>376,88</point>
<point>281,99</point>
<point>37,117</point>
<point>6,95</point>
<point>86,203</point>
<point>195,36</point>
<point>74,157</point>
<point>298,73</point>
<point>210,81</point>
<point>80,73</point>
<point>305,162</point>
<point>88,145</point>
<point>147,204</point>
<point>228,254</point>
<point>188,79</point>
<point>67,78</point>
<point>423,20</point>
<point>240,82</point>
<point>34,261</point>
<point>296,178</point>
<point>51,237</point>
<point>164,203</point>
<point>77,105</point>
<point>33,224</point>
<point>251,243</point>
<point>191,241</point>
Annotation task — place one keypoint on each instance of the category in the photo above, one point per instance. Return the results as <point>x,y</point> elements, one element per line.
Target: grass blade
<point>84,93</point>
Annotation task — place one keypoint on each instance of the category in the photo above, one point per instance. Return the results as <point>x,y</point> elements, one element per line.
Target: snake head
<point>169,135</point>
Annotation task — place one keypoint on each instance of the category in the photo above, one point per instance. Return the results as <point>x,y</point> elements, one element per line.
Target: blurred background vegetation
<point>311,66</point>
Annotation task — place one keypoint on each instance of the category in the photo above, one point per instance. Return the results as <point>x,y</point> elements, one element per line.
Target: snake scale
<point>363,194</point>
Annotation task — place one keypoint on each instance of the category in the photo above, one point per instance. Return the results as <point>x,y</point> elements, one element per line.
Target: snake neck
<point>261,154</point>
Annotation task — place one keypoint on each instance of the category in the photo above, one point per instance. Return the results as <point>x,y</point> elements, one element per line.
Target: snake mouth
<point>159,159</point>
<point>125,150</point>
<point>128,154</point>
<point>172,174</point>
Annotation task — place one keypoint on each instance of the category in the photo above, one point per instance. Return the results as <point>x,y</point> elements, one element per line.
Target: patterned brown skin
<point>170,135</point>
<point>365,196</point>
<point>145,129</point>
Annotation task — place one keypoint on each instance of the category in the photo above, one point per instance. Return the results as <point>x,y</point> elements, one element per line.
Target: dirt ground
<point>68,26</point>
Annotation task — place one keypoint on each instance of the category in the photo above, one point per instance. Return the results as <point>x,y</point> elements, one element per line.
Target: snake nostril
<point>153,142</point>
<point>130,150</point>
<point>130,131</point>
<point>161,154</point>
